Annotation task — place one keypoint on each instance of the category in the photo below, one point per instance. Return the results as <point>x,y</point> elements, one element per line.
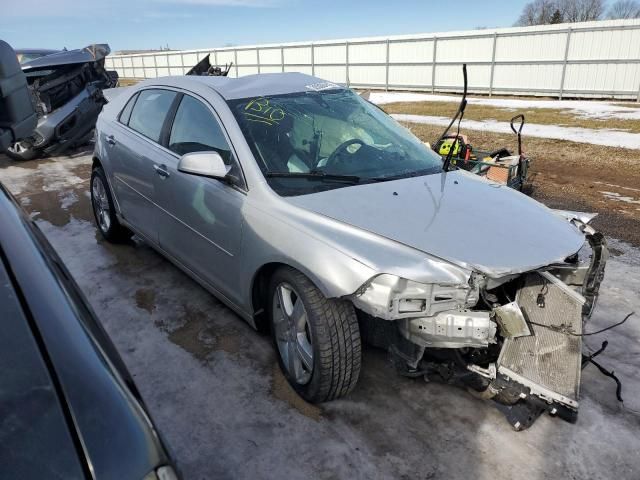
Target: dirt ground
<point>573,176</point>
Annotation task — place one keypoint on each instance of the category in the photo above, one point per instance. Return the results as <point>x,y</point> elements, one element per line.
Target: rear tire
<point>104,211</point>
<point>317,339</point>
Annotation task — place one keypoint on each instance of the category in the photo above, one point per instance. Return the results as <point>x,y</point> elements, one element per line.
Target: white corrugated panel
<point>270,69</point>
<point>407,52</point>
<point>330,54</point>
<point>147,61</point>
<point>137,61</point>
<point>247,57</point>
<point>368,53</point>
<point>621,44</point>
<point>531,47</point>
<point>271,56</point>
<point>175,71</point>
<point>189,60</point>
<point>149,73</point>
<point>161,60</point>
<point>451,76</point>
<point>333,74</point>
<point>419,76</point>
<point>175,60</point>
<point>367,75</point>
<point>225,56</point>
<point>298,55</point>
<point>603,77</point>
<point>464,50</point>
<point>527,77</point>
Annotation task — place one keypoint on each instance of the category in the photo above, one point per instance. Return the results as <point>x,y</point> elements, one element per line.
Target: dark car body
<point>68,406</point>
<point>66,90</point>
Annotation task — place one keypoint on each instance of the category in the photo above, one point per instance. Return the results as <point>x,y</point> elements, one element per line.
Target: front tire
<point>104,211</point>
<point>317,339</point>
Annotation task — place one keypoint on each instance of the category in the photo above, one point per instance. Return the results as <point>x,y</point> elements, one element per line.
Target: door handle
<point>161,170</point>
<point>111,140</point>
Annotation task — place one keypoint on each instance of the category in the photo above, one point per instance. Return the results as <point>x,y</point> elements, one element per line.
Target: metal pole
<point>182,61</point>
<point>386,81</point>
<point>564,64</point>
<point>433,65</point>
<point>215,58</point>
<point>346,46</point>
<point>638,100</point>
<point>155,65</point>
<point>258,56</point>
<point>493,63</point>
<point>282,57</point>
<point>313,61</point>
<point>235,60</point>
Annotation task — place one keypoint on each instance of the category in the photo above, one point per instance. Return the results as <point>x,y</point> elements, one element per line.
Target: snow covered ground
<point>580,108</point>
<point>602,136</point>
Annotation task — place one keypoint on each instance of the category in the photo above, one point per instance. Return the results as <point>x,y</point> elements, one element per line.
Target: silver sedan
<point>313,214</point>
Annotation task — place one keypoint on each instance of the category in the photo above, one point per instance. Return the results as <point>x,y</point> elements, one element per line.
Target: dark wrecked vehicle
<point>66,90</point>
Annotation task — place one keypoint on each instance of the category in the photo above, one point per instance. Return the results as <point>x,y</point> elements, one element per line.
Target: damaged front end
<point>66,90</point>
<point>515,339</point>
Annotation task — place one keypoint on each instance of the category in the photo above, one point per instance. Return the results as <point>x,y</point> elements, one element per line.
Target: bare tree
<point>624,9</point>
<point>582,10</point>
<point>537,12</point>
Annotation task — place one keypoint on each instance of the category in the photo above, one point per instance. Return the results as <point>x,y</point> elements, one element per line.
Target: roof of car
<point>257,85</point>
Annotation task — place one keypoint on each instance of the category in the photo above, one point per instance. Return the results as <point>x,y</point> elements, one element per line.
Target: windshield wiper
<point>417,173</point>
<point>314,175</point>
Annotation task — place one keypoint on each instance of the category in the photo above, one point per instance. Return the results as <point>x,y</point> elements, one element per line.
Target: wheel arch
<point>260,287</point>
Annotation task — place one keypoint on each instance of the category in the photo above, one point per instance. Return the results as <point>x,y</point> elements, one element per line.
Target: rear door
<point>201,218</point>
<point>136,155</point>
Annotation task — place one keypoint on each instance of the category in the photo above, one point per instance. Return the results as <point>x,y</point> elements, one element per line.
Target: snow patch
<point>604,136</point>
<point>579,108</point>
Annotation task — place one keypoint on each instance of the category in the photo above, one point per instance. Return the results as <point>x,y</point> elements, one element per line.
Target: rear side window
<point>195,129</point>
<point>126,111</point>
<point>150,111</point>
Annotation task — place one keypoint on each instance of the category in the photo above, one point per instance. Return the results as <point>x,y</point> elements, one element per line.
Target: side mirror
<point>204,164</point>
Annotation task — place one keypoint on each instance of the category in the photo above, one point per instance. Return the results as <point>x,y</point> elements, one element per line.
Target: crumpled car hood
<point>456,216</point>
<point>89,54</point>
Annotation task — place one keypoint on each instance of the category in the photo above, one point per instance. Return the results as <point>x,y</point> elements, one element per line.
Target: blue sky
<point>141,24</point>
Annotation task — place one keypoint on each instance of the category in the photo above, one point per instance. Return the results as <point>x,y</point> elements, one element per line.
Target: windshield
<point>313,141</point>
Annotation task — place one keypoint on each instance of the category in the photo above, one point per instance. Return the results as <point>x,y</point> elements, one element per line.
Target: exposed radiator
<point>548,362</point>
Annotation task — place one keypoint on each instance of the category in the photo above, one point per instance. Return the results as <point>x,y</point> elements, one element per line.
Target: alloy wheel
<point>293,333</point>
<point>100,204</point>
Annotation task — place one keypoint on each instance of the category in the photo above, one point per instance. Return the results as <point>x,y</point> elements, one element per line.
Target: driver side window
<point>196,129</point>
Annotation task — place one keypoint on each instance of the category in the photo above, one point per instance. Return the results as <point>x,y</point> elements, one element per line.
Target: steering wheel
<point>332,158</point>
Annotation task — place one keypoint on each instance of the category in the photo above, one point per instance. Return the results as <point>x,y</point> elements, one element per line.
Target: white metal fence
<point>592,59</point>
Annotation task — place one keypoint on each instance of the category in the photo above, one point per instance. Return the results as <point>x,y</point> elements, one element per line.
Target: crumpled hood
<point>90,54</point>
<point>456,216</point>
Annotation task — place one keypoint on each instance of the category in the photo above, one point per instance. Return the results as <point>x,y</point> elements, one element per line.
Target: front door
<point>200,221</point>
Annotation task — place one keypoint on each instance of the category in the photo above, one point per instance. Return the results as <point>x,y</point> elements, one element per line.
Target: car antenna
<point>459,114</point>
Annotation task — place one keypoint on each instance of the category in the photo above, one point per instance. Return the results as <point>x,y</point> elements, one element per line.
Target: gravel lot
<point>214,389</point>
